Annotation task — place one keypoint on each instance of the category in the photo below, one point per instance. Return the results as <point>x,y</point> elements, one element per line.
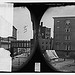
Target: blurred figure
<point>5,60</point>
<point>12,52</point>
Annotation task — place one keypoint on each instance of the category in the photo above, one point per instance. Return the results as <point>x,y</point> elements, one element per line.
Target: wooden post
<point>0,42</point>
<point>8,43</point>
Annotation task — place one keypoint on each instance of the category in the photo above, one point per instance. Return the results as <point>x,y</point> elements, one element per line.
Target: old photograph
<point>37,37</point>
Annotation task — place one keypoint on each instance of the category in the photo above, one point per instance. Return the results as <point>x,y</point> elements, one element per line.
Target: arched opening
<point>22,22</point>
<point>52,56</point>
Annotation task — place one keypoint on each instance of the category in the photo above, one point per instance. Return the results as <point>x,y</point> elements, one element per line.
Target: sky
<point>6,10</point>
<point>22,18</point>
<point>6,19</point>
<point>61,11</point>
<point>19,17</point>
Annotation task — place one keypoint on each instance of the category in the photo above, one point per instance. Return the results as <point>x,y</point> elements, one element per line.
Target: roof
<point>14,27</point>
<point>64,17</point>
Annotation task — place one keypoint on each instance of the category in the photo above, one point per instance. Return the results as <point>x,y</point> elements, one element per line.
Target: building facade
<point>44,31</point>
<point>45,44</point>
<point>47,33</point>
<point>64,33</point>
<point>14,34</point>
<point>44,37</point>
<point>5,42</point>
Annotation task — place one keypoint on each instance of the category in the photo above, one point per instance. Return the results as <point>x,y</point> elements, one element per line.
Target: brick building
<point>44,37</point>
<point>45,32</point>
<point>6,41</point>
<point>14,33</point>
<point>45,44</point>
<point>64,33</point>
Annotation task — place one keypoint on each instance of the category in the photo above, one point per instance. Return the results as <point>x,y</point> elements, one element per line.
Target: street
<point>66,66</point>
<point>18,61</point>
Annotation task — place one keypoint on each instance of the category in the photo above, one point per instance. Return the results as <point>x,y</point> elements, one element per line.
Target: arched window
<point>67,37</point>
<point>67,29</point>
<point>67,22</point>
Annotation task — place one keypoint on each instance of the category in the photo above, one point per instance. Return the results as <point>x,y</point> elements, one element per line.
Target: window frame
<point>68,22</point>
<point>67,29</point>
<point>68,37</point>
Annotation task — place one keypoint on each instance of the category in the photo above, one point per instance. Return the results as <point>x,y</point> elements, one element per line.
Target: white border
<point>34,1</point>
<point>38,73</point>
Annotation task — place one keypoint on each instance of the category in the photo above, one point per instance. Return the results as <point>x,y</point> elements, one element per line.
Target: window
<point>58,21</point>
<point>67,47</point>
<point>67,22</point>
<point>67,38</point>
<point>58,27</point>
<point>46,42</point>
<point>46,47</point>
<point>42,42</point>
<point>67,29</point>
<point>27,44</point>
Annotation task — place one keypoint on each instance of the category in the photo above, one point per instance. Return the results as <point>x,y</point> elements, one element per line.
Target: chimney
<point>41,24</point>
